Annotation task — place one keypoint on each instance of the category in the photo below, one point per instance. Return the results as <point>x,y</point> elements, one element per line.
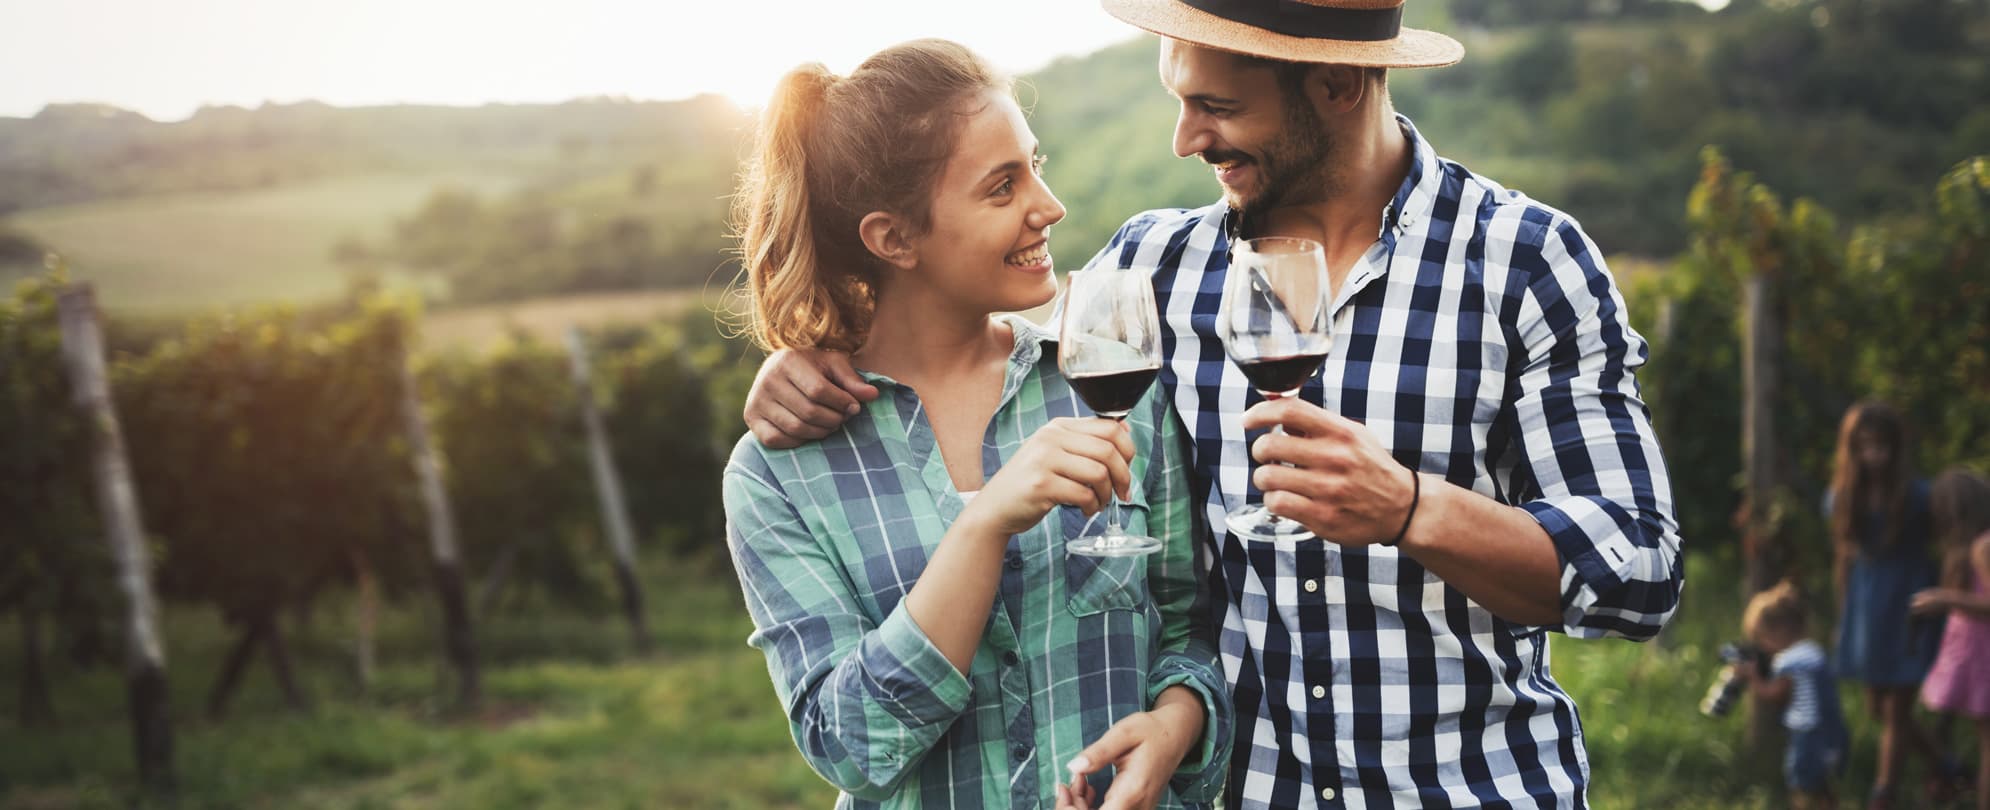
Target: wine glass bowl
<point>1276,325</point>
<point>1109,350</point>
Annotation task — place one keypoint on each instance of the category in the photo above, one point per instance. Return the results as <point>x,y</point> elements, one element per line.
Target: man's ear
<point>885,235</point>
<point>1336,88</point>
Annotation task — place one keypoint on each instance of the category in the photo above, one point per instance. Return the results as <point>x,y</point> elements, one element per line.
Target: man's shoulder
<point>1501,210</point>
<point>1167,222</point>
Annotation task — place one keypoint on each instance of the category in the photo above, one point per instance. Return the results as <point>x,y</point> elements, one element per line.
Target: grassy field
<point>547,318</point>
<point>194,251</point>
<point>576,722</point>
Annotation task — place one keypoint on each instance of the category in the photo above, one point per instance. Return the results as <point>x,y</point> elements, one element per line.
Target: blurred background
<point>498,579</point>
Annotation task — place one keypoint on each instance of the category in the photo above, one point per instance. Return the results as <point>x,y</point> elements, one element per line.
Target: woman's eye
<point>1005,187</point>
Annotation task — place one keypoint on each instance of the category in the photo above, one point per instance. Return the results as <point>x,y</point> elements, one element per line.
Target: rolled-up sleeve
<point>865,700</point>
<point>1587,438</point>
<point>1187,652</point>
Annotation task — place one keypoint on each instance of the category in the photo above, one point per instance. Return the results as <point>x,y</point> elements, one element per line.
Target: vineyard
<point>286,459</point>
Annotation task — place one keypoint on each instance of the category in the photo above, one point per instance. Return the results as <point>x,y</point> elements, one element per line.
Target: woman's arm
<point>866,700</point>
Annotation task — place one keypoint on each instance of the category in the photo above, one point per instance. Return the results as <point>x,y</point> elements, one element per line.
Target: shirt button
<point>1327,794</point>
<point>1020,752</point>
<point>1015,561</point>
<point>1319,691</point>
<point>1312,585</point>
<point>1009,657</point>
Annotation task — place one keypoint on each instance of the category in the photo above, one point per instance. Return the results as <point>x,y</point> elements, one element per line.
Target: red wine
<point>1281,374</point>
<point>1113,393</point>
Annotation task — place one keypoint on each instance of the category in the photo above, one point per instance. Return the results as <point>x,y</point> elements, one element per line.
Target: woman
<point>1880,535</point>
<point>930,640</point>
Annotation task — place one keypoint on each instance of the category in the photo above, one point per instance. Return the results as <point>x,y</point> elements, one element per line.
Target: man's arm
<point>801,395</point>
<point>1346,488</point>
<point>1596,551</point>
<point>1581,426</point>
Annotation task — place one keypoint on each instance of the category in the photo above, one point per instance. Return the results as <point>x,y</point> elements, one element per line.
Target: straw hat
<point>1367,33</point>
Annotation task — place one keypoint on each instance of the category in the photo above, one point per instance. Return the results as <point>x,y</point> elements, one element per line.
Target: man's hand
<point>1144,750</point>
<point>801,395</point>
<point>1342,485</point>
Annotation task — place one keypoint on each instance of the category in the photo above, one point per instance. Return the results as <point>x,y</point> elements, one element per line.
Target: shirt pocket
<point>1097,584</point>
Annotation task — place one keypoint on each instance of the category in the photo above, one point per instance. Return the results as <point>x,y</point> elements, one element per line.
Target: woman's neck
<point>917,337</point>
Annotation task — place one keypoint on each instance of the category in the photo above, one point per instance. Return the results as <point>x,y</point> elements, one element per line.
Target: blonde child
<point>1800,680</point>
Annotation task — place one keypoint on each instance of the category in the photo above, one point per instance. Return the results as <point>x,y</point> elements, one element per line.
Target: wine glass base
<point>1254,522</point>
<point>1120,545</point>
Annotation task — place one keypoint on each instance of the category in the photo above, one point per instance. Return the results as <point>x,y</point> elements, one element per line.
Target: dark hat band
<point>1296,19</point>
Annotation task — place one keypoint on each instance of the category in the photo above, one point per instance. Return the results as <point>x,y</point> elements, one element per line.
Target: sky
<point>167,59</point>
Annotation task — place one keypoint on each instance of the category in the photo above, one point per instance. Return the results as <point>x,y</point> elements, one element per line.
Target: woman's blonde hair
<point>831,150</point>
<point>1959,501</point>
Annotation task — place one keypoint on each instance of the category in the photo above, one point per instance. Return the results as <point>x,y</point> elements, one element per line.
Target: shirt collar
<point>1418,193</point>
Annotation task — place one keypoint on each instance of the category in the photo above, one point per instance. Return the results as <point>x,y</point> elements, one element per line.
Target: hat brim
<point>1412,47</point>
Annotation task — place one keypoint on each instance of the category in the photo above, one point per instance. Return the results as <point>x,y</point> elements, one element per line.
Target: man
<point>1476,456</point>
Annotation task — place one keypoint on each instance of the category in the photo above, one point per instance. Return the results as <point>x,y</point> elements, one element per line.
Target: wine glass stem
<point>1115,535</point>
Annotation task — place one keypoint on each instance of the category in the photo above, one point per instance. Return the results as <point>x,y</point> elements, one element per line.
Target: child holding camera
<point>1799,679</point>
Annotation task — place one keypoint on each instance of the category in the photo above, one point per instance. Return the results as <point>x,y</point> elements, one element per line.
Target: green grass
<point>176,253</point>
<point>572,719</point>
<point>576,721</point>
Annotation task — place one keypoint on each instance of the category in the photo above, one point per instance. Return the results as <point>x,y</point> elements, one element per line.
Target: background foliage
<point>1831,145</point>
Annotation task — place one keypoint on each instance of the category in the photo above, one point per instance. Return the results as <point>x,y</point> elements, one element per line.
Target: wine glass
<point>1110,352</point>
<point>1276,326</point>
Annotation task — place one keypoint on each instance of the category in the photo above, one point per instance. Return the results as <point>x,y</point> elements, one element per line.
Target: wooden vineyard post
<point>117,504</point>
<point>459,645</point>
<point>614,511</point>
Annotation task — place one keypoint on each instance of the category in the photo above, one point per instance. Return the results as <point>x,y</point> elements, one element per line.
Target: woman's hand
<point>1075,796</point>
<point>1074,462</point>
<point>1144,749</point>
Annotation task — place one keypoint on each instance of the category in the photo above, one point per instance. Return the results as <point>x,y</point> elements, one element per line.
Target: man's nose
<point>1191,137</point>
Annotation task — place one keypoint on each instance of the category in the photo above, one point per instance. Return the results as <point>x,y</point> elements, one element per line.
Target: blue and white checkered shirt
<point>1480,338</point>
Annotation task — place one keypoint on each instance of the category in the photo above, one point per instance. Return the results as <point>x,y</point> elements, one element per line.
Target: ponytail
<point>777,227</point>
<point>830,151</point>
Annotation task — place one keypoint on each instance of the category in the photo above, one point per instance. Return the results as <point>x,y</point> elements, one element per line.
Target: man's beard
<point>1291,168</point>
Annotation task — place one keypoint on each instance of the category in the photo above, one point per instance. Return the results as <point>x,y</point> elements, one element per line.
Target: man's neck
<point>1370,165</point>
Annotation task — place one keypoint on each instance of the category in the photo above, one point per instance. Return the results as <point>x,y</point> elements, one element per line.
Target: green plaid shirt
<point>828,538</point>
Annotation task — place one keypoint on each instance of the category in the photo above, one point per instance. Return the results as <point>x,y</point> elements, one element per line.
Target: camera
<point>1728,686</point>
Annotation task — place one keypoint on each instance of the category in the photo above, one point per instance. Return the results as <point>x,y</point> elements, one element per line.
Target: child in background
<point>1959,682</point>
<point>1879,518</point>
<point>1800,681</point>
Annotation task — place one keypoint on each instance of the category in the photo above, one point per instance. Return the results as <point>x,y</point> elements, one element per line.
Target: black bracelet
<point>1416,494</point>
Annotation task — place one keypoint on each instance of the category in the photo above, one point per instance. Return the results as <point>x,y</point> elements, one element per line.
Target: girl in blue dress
<point>1880,535</point>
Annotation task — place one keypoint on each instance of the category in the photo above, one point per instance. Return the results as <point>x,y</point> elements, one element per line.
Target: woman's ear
<point>885,236</point>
